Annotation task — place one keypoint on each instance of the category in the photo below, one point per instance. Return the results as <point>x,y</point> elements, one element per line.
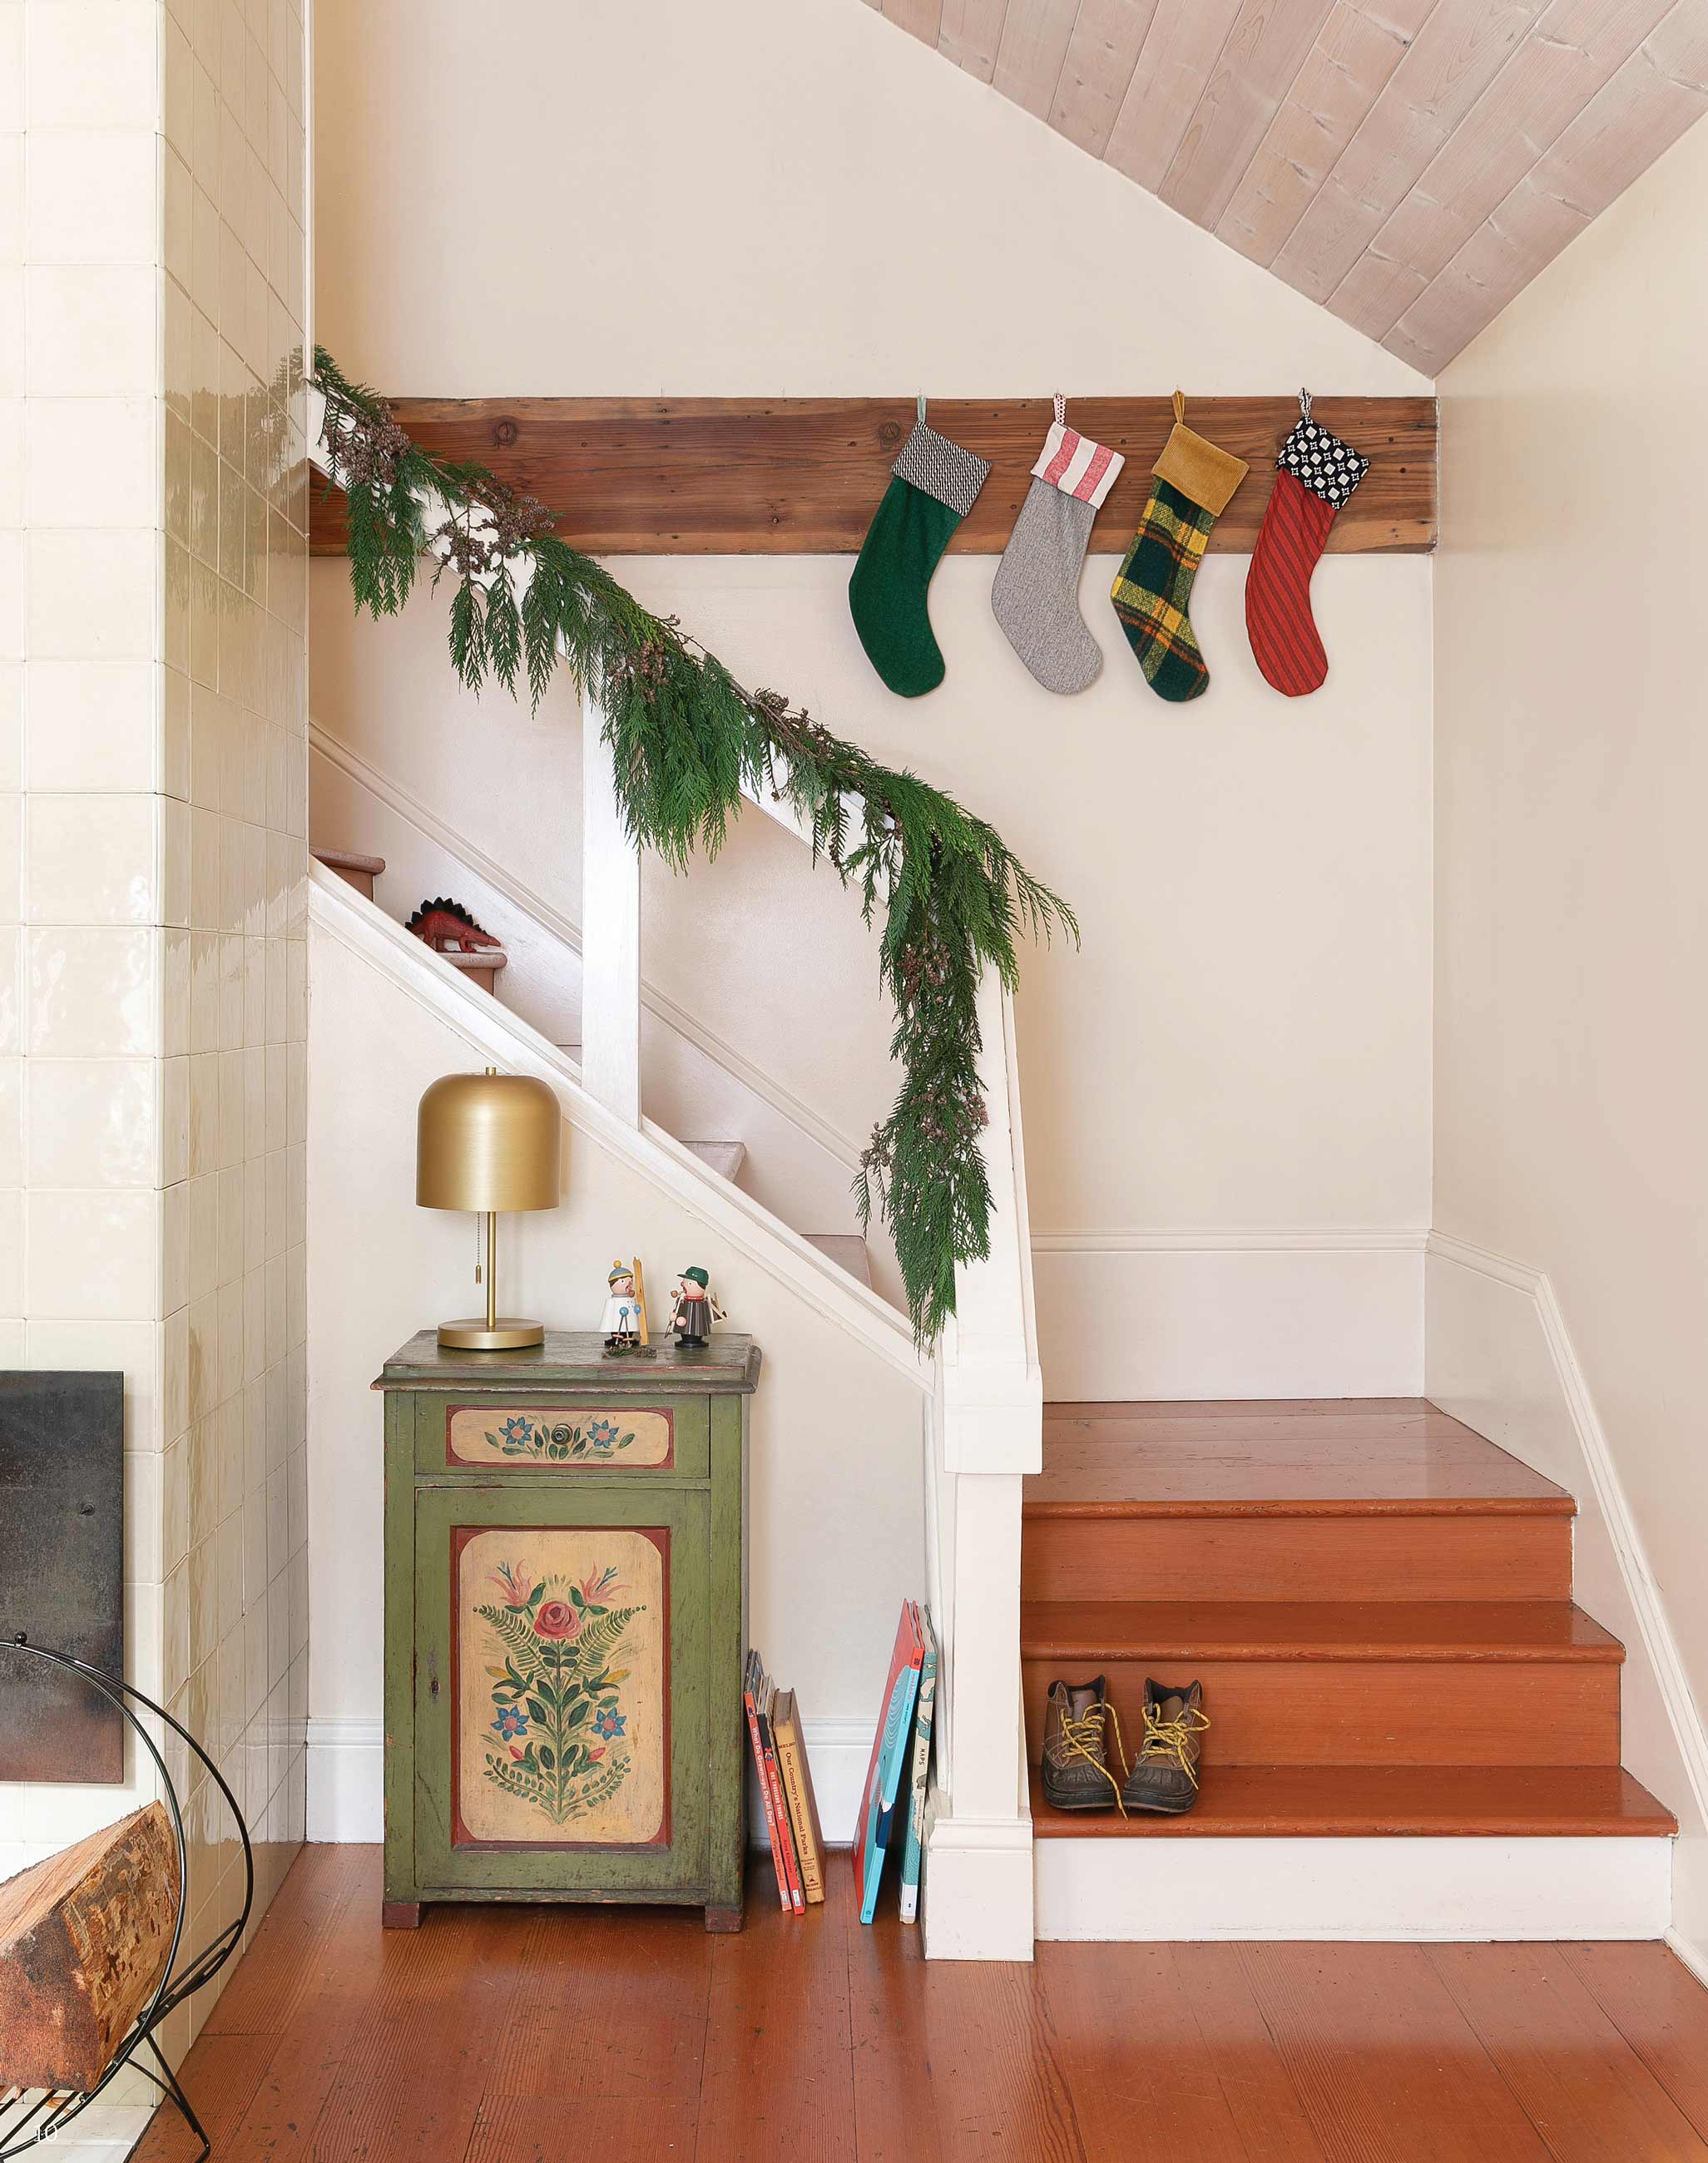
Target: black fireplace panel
<point>61,1571</point>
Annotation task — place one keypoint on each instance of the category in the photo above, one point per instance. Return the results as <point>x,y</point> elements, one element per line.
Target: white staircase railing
<point>982,1423</point>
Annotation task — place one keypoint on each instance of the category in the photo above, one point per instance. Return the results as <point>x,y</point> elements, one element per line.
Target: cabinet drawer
<point>478,1431</point>
<point>561,1739</point>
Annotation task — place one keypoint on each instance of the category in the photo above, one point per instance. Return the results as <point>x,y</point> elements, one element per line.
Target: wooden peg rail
<point>802,476</point>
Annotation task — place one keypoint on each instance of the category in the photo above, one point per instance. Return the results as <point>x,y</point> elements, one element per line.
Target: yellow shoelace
<point>1173,1738</point>
<point>1084,1736</point>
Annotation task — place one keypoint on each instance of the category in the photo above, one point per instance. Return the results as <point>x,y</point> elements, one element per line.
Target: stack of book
<point>785,1789</point>
<point>894,1794</point>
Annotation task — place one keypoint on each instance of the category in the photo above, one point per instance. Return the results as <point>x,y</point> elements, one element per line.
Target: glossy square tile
<point>92,993</point>
<point>89,725</point>
<point>93,197</point>
<point>93,594</point>
<point>91,330</point>
<point>94,64</point>
<point>93,1123</point>
<point>92,859</point>
<point>92,1256</point>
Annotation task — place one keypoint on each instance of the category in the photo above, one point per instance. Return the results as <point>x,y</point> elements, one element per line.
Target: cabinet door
<point>561,1686</point>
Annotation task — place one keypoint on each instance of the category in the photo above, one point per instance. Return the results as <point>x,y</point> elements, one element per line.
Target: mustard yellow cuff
<point>1198,470</point>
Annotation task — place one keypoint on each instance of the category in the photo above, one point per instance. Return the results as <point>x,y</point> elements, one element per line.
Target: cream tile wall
<point>153,957</point>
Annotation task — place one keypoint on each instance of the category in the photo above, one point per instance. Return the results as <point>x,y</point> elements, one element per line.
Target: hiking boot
<point>1164,1774</point>
<point>1076,1775</point>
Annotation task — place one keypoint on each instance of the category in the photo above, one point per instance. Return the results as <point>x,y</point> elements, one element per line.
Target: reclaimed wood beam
<point>802,476</point>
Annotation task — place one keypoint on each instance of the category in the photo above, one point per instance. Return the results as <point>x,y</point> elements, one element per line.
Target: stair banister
<point>982,1423</point>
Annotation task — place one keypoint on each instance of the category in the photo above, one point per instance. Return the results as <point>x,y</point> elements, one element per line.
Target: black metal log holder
<point>27,2119</point>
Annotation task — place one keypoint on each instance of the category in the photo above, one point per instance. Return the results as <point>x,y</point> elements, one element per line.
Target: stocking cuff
<point>942,469</point>
<point>1322,463</point>
<point>1078,466</point>
<point>1199,469</point>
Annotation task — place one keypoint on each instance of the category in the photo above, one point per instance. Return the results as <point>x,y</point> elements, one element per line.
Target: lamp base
<point>508,1334</point>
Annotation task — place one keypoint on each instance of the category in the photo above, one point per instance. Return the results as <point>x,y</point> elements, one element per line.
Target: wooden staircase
<point>1378,1604</point>
<point>847,1249</point>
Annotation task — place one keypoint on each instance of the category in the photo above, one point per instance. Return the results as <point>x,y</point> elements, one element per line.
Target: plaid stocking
<point>1315,474</point>
<point>1191,485</point>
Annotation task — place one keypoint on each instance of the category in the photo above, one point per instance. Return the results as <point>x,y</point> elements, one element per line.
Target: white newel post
<point>610,933</point>
<point>978,1876</point>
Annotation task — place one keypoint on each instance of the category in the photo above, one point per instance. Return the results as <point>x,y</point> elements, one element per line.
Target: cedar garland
<point>685,737</point>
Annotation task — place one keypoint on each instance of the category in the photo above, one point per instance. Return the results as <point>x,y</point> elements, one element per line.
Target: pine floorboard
<point>538,2035</point>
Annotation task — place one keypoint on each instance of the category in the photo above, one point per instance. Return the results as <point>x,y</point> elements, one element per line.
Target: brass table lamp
<point>487,1142</point>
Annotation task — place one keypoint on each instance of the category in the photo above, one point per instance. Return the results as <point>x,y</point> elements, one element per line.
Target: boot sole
<point>1090,1803</point>
<point>1160,1810</point>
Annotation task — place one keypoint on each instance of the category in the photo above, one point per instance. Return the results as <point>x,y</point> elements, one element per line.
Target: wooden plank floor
<point>540,2035</point>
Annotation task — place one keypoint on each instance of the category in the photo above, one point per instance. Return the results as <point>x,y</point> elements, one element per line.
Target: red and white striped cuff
<point>1077,465</point>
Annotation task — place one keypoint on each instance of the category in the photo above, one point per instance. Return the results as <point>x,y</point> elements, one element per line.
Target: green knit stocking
<point>934,485</point>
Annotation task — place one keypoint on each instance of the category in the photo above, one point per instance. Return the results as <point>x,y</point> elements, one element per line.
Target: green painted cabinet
<point>564,1552</point>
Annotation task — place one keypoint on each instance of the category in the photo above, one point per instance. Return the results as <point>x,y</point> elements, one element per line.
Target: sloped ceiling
<point>1411,165</point>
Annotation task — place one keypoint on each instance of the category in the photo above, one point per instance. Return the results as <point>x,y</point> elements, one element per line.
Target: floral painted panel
<point>558,1434</point>
<point>562,1703</point>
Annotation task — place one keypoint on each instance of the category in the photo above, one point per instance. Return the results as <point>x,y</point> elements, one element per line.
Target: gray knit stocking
<point>1035,596</point>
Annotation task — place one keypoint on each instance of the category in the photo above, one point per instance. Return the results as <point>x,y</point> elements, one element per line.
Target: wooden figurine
<point>624,1322</point>
<point>693,1309</point>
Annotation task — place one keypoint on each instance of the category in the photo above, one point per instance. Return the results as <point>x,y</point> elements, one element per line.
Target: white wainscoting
<point>1500,1358</point>
<point>1291,1312</point>
<point>346,1779</point>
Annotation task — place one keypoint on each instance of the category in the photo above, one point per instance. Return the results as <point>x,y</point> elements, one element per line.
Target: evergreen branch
<point>686,737</point>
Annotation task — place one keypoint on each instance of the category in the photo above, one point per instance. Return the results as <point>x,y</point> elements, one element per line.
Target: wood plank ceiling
<point>1411,164</point>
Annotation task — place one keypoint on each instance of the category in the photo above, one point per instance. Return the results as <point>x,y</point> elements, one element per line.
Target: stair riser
<point>1463,1556</point>
<point>1422,1888</point>
<point>1357,1712</point>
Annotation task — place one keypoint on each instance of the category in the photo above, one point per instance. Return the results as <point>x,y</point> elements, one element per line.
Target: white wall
<point>1571,1049</point>
<point>1226,1094</point>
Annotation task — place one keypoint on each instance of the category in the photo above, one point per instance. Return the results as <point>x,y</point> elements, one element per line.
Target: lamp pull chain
<point>479,1248</point>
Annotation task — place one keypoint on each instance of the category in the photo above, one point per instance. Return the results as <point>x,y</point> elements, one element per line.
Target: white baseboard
<point>1397,1889</point>
<point>1500,1358</point>
<point>1305,1313</point>
<point>346,1778</point>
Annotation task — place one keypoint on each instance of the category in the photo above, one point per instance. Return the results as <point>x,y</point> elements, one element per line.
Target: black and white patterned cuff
<point>942,469</point>
<point>1328,468</point>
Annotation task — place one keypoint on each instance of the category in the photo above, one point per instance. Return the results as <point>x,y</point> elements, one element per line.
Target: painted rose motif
<point>557,1618</point>
<point>556,1691</point>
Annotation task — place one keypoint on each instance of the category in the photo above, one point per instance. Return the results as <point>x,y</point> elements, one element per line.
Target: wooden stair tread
<point>1090,1631</point>
<point>346,860</point>
<point>1379,1801</point>
<point>1346,1456</point>
<point>847,1249</point>
<point>485,957</point>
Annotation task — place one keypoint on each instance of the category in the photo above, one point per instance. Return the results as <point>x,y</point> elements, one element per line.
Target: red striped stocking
<point>1316,474</point>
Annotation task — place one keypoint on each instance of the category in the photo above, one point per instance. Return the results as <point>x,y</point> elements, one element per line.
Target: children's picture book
<point>752,1680</point>
<point>913,1845</point>
<point>781,1832</point>
<point>798,1789</point>
<point>875,1824</point>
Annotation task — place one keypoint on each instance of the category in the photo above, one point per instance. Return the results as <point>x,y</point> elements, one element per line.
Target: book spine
<point>778,1814</point>
<point>789,1751</point>
<point>764,1784</point>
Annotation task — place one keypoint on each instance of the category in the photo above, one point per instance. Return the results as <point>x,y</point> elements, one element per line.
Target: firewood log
<point>83,1941</point>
